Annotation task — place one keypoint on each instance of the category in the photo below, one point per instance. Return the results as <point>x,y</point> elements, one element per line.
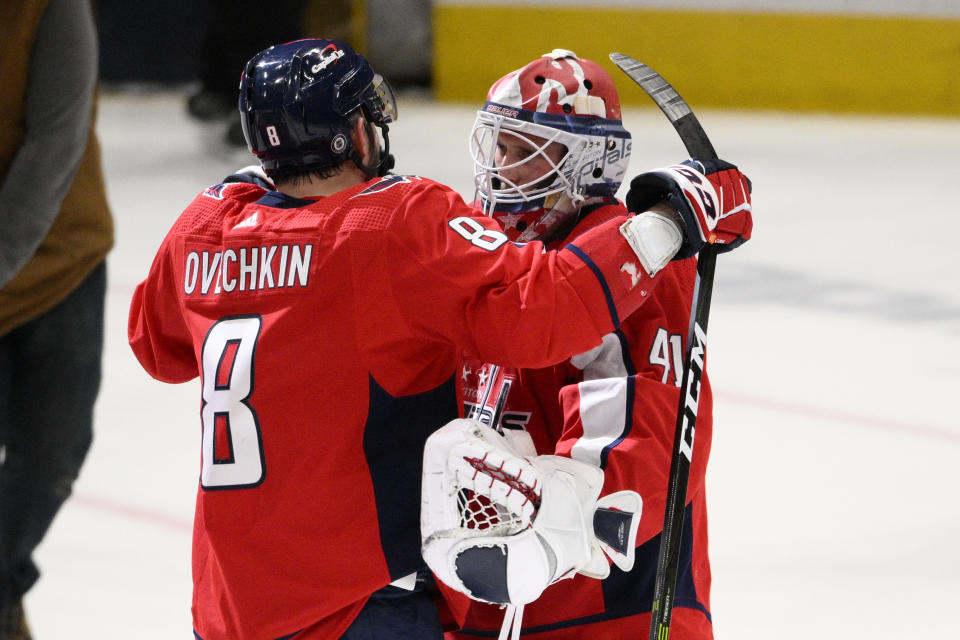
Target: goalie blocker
<point>500,527</point>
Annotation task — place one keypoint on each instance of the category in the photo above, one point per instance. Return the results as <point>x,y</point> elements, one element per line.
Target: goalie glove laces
<point>511,622</point>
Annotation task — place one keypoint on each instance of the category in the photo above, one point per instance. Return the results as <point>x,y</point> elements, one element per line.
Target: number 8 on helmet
<point>298,101</point>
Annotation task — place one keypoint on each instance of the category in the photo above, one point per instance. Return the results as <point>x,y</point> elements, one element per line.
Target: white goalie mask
<point>548,140</point>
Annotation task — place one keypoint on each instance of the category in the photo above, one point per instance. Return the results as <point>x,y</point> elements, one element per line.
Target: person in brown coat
<point>55,232</point>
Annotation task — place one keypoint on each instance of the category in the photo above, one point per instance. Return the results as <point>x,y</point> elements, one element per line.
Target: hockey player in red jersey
<point>549,154</point>
<point>326,307</point>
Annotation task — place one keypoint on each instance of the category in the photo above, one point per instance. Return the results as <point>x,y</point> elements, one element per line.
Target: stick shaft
<point>698,145</point>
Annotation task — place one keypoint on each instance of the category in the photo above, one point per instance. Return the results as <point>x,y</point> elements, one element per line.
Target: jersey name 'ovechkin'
<point>247,269</point>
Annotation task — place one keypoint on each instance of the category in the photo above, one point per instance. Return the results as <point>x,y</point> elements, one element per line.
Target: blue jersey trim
<point>627,423</point>
<point>631,395</point>
<point>396,430</point>
<point>277,200</point>
<point>611,307</point>
<point>625,352</point>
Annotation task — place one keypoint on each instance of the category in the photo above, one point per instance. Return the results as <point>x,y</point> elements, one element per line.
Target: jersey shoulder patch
<point>387,182</point>
<point>205,215</point>
<point>237,190</point>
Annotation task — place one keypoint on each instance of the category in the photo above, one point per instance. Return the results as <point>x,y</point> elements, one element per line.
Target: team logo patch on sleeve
<point>215,192</point>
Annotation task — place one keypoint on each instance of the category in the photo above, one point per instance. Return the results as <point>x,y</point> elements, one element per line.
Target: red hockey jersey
<point>615,407</point>
<point>328,336</point>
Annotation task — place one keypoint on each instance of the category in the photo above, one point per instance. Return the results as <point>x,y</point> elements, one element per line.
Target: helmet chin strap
<point>383,159</point>
<point>387,160</point>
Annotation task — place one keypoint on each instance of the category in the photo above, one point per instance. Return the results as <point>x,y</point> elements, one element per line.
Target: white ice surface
<point>834,345</point>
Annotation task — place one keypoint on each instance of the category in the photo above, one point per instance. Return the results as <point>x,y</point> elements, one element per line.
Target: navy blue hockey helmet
<point>296,102</point>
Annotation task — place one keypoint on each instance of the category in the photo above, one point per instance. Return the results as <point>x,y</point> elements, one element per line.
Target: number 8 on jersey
<point>232,449</point>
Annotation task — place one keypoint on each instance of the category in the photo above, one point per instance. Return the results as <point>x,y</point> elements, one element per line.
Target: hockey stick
<point>698,146</point>
<point>484,396</point>
<point>497,378</point>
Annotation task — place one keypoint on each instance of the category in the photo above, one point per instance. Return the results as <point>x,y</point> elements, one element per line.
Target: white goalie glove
<point>500,527</point>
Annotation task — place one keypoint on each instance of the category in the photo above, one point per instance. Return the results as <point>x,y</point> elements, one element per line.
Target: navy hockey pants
<point>398,614</point>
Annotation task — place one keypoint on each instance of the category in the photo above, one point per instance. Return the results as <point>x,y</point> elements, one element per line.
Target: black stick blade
<point>676,109</point>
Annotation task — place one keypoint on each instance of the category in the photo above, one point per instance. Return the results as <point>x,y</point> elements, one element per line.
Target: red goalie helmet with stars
<point>548,141</point>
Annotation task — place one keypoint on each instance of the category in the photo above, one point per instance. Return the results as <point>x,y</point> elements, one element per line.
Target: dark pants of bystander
<point>50,369</point>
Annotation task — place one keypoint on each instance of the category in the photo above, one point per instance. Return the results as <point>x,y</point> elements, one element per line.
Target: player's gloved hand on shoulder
<point>253,174</point>
<point>500,527</point>
<point>712,198</point>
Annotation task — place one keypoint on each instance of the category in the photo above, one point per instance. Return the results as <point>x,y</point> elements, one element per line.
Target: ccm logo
<point>692,392</point>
